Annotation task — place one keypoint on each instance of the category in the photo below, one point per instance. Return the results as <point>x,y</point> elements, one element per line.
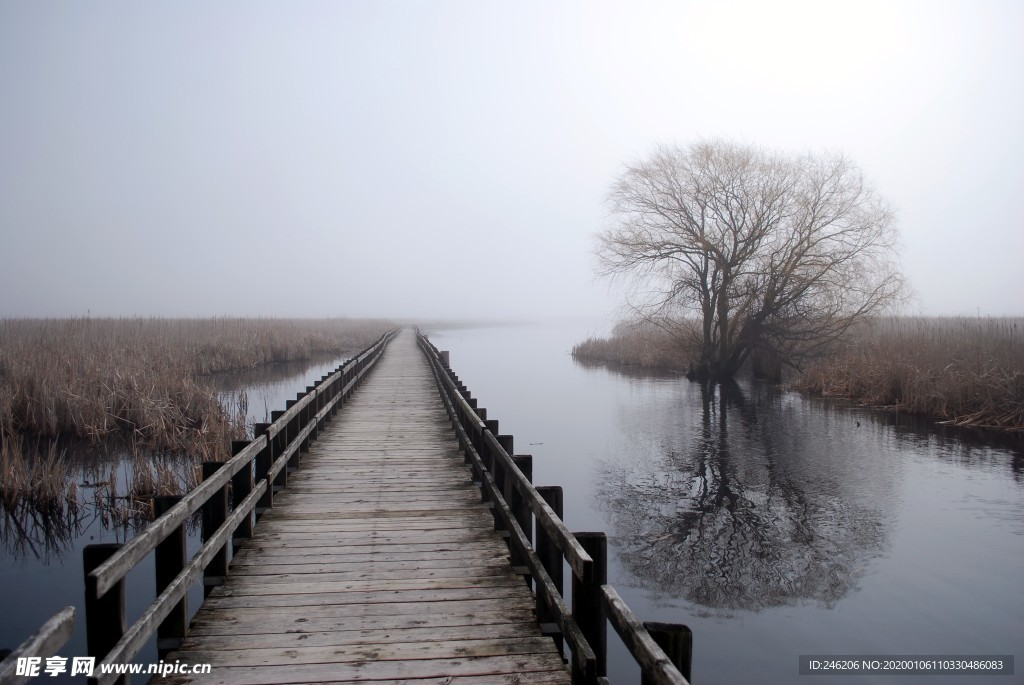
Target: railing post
<point>308,416</point>
<point>302,421</point>
<point>106,617</point>
<point>676,641</point>
<point>501,478</point>
<point>550,558</point>
<point>517,503</point>
<point>215,512</point>
<point>524,462</point>
<point>261,465</point>
<point>169,559</point>
<point>587,607</point>
<point>241,486</point>
<point>485,452</point>
<point>294,426</point>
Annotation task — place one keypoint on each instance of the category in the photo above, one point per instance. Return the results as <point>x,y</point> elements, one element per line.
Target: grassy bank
<point>642,346</point>
<point>145,379</point>
<point>966,371</point>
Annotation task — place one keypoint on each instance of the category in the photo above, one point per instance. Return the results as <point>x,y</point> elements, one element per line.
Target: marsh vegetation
<point>142,391</point>
<point>962,370</point>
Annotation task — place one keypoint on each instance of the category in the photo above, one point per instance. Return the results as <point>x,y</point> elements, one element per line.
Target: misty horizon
<point>451,160</point>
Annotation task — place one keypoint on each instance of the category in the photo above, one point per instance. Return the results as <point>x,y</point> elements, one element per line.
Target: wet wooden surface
<point>378,562</point>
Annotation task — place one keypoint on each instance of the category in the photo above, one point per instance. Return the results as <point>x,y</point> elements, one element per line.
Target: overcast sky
<point>451,159</point>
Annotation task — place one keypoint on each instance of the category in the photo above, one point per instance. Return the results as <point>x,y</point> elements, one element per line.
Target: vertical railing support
<point>241,485</point>
<point>676,641</point>
<point>106,617</point>
<point>261,468</point>
<point>215,512</point>
<point>170,558</point>
<point>551,558</point>
<point>587,606</point>
<point>308,415</point>
<point>520,510</point>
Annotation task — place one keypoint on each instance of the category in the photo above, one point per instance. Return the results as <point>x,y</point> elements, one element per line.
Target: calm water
<point>41,559</point>
<point>772,524</point>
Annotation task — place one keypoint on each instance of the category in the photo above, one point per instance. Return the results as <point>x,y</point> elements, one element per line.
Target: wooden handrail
<point>657,667</point>
<point>109,639</point>
<point>594,602</point>
<point>44,643</point>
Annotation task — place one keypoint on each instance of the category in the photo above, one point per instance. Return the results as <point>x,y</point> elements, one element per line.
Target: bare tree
<point>769,254</point>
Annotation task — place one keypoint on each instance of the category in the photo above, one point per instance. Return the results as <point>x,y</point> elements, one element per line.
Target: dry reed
<point>139,387</point>
<point>144,379</point>
<point>33,478</point>
<point>640,345</point>
<point>963,371</point>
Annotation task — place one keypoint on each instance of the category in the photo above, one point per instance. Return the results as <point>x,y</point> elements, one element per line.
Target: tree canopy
<point>748,251</point>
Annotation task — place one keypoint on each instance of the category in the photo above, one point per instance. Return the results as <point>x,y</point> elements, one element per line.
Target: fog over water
<point>450,159</point>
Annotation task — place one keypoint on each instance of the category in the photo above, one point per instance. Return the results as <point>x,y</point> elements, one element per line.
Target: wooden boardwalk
<point>378,562</point>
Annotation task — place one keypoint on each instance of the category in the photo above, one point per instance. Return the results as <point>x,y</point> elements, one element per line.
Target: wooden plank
<point>258,585</point>
<point>221,597</point>
<point>269,631</point>
<point>423,610</point>
<point>472,668</point>
<point>243,677</point>
<point>372,567</point>
<point>375,574</point>
<point>304,555</point>
<point>360,653</point>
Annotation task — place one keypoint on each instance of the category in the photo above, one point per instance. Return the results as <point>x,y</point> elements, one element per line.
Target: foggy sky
<point>451,159</point>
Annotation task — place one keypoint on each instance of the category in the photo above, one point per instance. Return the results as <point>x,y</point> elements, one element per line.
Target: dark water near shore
<point>772,524</point>
<point>41,556</point>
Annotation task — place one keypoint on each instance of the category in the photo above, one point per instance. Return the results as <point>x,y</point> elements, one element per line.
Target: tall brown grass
<point>640,345</point>
<point>35,479</point>
<point>144,379</point>
<point>964,371</point>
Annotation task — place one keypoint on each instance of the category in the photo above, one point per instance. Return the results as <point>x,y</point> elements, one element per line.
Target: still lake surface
<point>772,524</point>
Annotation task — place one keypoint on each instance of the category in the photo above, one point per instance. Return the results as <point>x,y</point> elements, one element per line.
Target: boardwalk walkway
<point>377,563</point>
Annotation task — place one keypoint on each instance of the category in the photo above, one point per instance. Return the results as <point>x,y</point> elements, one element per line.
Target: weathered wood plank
<point>375,576</point>
<point>244,599</point>
<point>360,653</point>
<point>371,567</point>
<point>424,611</point>
<point>244,677</point>
<point>270,632</point>
<point>399,554</point>
<point>372,670</point>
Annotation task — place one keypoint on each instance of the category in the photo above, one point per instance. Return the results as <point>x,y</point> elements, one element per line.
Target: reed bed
<point>34,479</point>
<point>135,389</point>
<point>144,379</point>
<point>959,370</point>
<point>641,345</point>
<point>962,371</point>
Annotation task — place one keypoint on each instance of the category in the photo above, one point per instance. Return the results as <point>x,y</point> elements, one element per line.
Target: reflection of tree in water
<point>730,532</point>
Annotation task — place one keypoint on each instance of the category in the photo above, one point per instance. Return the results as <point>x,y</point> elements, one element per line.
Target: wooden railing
<point>231,496</point>
<point>50,637</point>
<point>540,543</point>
